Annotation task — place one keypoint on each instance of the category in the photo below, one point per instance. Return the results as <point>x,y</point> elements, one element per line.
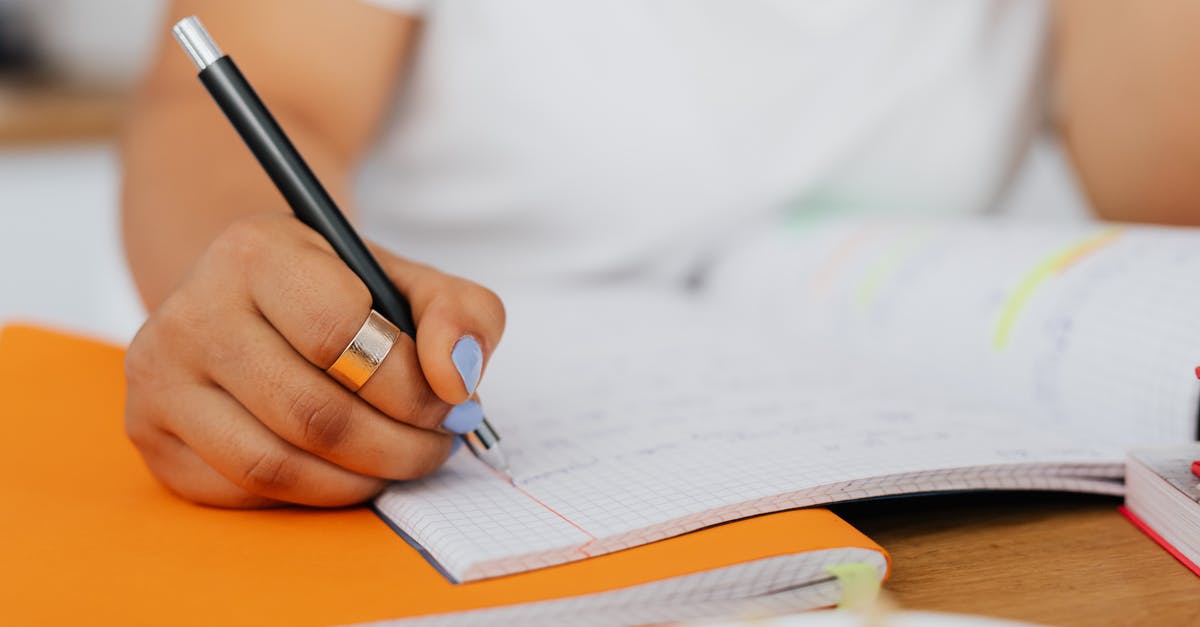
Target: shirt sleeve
<point>412,7</point>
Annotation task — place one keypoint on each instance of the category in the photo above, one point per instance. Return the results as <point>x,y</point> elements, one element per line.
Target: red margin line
<point>583,549</point>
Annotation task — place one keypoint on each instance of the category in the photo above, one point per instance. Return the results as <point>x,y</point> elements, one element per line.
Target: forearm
<point>187,176</point>
<point>1127,90</point>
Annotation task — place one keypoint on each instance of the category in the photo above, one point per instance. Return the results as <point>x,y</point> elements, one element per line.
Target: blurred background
<point>66,70</point>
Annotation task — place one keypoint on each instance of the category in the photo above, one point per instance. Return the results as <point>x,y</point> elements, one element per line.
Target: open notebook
<point>90,537</point>
<point>821,364</point>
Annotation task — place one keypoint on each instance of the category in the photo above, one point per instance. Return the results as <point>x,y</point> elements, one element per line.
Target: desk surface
<point>1053,559</point>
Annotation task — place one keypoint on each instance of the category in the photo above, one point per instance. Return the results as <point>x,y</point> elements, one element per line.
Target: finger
<point>245,452</point>
<point>459,324</point>
<point>317,304</point>
<point>151,380</point>
<point>297,283</point>
<point>399,389</point>
<point>185,474</point>
<point>302,405</point>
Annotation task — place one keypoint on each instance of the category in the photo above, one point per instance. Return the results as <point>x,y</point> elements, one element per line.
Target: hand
<point>228,400</point>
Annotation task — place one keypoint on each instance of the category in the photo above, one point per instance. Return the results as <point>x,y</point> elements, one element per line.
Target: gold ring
<point>366,351</point>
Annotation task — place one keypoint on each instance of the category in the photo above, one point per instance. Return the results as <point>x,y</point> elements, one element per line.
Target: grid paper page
<point>657,426</point>
<point>777,585</point>
<point>1088,326</point>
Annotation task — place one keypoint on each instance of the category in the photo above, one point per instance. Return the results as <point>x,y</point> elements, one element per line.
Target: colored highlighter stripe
<point>1054,265</point>
<point>887,265</point>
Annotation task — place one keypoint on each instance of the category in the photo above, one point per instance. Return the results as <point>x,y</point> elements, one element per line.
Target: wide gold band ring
<point>366,351</point>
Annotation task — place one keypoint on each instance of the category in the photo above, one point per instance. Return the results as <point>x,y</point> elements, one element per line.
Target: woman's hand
<point>228,399</point>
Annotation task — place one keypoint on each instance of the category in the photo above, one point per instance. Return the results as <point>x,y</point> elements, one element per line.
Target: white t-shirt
<point>554,138</point>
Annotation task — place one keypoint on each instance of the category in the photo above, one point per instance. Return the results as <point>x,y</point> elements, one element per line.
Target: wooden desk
<point>1045,558</point>
<point>41,114</point>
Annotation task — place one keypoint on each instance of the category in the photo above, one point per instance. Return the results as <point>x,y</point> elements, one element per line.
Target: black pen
<point>306,196</point>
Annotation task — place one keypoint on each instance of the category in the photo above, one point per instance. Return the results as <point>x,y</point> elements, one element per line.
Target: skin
<point>228,401</point>
<point>1126,88</point>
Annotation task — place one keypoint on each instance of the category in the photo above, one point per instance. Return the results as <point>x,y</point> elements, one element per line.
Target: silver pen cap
<point>190,34</point>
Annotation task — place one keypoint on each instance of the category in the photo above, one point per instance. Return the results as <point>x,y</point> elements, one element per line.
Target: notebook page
<point>775,585</point>
<point>1091,327</point>
<point>627,418</point>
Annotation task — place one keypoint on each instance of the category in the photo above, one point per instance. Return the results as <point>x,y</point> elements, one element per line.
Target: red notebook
<point>1163,500</point>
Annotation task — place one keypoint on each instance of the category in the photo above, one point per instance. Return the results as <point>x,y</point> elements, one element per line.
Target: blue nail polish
<point>458,442</point>
<point>464,418</point>
<point>468,359</point>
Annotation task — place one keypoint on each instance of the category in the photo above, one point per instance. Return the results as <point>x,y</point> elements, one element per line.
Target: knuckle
<point>332,329</point>
<point>171,323</point>
<point>271,472</point>
<point>243,241</point>
<point>139,430</point>
<point>324,420</point>
<point>178,320</point>
<point>356,295</point>
<point>150,364</point>
<point>140,361</point>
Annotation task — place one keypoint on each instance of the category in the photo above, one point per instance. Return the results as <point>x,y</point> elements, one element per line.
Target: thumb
<point>459,324</point>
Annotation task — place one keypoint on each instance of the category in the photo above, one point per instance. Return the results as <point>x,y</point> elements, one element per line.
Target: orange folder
<point>89,537</point>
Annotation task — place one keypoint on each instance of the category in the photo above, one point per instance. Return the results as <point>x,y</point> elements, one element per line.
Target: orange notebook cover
<point>90,537</point>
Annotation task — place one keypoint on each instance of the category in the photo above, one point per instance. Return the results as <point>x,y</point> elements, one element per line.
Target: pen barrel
<point>308,199</point>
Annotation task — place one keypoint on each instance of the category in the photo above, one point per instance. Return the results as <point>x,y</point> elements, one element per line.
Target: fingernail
<point>454,447</point>
<point>468,359</point>
<point>464,418</point>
